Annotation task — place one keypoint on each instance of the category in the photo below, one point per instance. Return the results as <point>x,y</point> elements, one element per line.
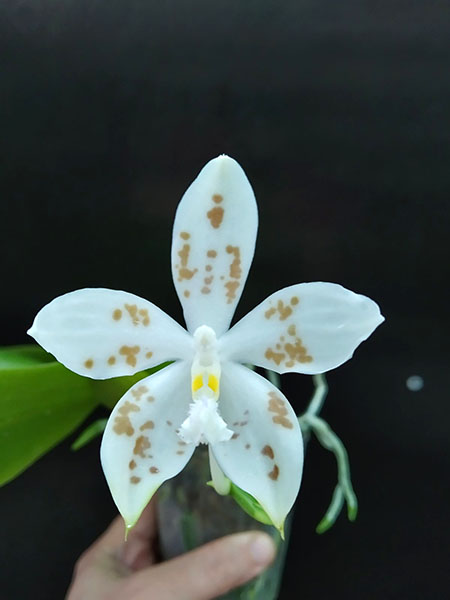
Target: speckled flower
<point>207,395</point>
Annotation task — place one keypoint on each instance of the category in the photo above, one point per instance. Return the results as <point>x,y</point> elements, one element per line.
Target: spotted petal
<point>213,244</point>
<point>140,447</point>
<point>265,455</point>
<point>306,328</point>
<point>104,333</point>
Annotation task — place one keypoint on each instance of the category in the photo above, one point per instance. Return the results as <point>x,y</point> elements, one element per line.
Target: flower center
<point>204,423</point>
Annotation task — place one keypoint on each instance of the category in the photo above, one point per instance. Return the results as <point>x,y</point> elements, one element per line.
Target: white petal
<point>306,328</point>
<point>265,455</point>
<point>213,244</point>
<point>104,333</point>
<point>140,447</point>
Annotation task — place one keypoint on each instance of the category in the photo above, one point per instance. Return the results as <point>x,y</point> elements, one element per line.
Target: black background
<point>339,113</point>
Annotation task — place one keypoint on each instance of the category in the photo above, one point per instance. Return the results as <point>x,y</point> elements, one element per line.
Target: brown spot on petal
<point>150,399</point>
<point>247,446</point>
<point>217,198</point>
<point>122,423</point>
<point>169,423</point>
<point>112,360</point>
<point>298,352</point>
<point>235,436</point>
<point>235,267</point>
<point>154,470</point>
<point>142,444</point>
<point>139,391</point>
<point>268,451</point>
<point>147,425</point>
<point>130,352</point>
<point>135,479</point>
<point>269,313</point>
<point>294,300</point>
<point>180,452</point>
<point>148,354</point>
<point>184,254</point>
<point>89,363</point>
<point>211,253</point>
<point>184,272</point>
<point>284,311</point>
<point>208,267</point>
<point>277,406</point>
<point>206,290</point>
<point>277,357</point>
<point>291,330</point>
<point>231,286</point>
<point>117,314</point>
<point>132,311</point>
<point>215,216</point>
<point>145,319</point>
<point>186,293</point>
<point>274,473</point>
<point>184,235</point>
<point>132,464</point>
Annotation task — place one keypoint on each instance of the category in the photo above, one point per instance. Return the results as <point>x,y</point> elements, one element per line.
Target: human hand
<point>112,569</point>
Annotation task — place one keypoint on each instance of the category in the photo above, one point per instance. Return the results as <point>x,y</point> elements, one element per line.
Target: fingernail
<point>262,549</point>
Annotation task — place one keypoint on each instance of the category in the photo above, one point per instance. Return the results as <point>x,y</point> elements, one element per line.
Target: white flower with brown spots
<point>206,395</point>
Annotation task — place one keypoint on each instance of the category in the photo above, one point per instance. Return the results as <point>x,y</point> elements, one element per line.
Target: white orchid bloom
<point>206,395</point>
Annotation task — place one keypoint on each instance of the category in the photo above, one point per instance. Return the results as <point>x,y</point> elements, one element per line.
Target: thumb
<point>207,572</point>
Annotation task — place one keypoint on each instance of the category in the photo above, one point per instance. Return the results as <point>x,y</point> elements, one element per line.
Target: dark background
<point>339,113</point>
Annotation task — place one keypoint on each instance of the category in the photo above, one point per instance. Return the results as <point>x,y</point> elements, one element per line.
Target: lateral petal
<point>213,243</point>
<point>103,333</point>
<point>265,455</point>
<point>306,328</point>
<point>140,447</point>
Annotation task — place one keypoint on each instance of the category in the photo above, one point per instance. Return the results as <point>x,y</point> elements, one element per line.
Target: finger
<point>207,572</point>
<point>139,550</point>
<point>135,553</point>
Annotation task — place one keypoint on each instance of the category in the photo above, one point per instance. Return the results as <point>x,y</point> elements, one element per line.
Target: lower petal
<point>141,448</point>
<point>265,455</point>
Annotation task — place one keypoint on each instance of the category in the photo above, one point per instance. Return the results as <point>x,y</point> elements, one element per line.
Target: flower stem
<point>320,393</point>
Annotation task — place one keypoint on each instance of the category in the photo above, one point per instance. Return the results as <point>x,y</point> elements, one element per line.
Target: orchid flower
<point>208,395</point>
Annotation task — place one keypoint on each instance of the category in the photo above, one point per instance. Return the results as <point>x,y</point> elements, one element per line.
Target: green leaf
<point>249,504</point>
<point>16,357</point>
<point>91,432</point>
<point>41,402</point>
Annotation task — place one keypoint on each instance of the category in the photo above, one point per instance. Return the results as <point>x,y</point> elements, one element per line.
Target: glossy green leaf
<point>41,402</point>
<point>249,504</point>
<point>90,433</point>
